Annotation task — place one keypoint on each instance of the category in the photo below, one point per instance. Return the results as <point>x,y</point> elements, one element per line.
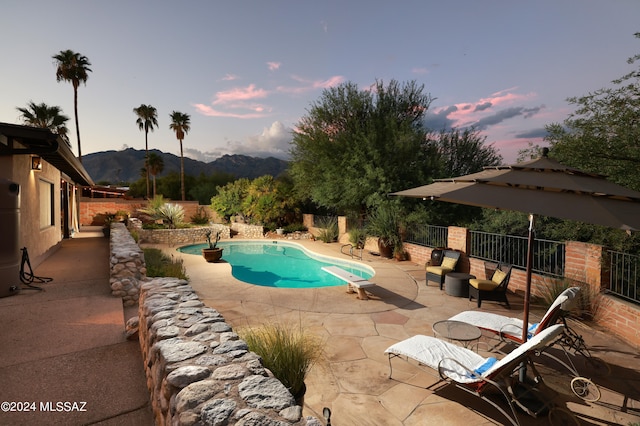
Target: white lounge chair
<point>510,329</point>
<point>478,375</point>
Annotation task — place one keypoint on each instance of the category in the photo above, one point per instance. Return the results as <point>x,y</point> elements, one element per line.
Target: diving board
<point>353,281</point>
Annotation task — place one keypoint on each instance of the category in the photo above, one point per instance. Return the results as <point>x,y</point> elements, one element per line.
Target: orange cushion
<point>484,285</point>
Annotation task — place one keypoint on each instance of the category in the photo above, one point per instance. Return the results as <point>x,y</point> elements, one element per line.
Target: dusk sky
<point>247,71</point>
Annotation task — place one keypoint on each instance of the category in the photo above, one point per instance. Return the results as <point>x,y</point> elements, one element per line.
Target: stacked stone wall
<point>248,231</point>
<point>127,265</point>
<point>183,236</point>
<point>198,371</point>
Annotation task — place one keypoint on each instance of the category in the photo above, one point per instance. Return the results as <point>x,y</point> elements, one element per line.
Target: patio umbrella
<point>540,187</point>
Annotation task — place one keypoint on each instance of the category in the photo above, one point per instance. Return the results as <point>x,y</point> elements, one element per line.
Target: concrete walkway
<point>353,376</point>
<point>66,345</point>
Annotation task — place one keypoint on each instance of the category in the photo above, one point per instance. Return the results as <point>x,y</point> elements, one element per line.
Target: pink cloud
<point>230,77</point>
<point>240,94</point>
<point>210,112</point>
<point>273,66</point>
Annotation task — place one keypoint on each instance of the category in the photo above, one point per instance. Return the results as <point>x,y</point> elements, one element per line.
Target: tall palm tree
<point>73,67</point>
<point>181,124</point>
<point>155,165</point>
<point>47,117</point>
<point>147,119</point>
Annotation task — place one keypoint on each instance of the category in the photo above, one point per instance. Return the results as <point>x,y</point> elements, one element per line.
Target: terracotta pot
<point>212,255</point>
<point>385,250</point>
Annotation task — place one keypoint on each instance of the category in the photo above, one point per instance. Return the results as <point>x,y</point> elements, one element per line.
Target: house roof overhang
<point>25,140</point>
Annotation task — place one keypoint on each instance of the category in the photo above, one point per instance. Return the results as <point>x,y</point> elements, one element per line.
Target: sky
<point>247,71</point>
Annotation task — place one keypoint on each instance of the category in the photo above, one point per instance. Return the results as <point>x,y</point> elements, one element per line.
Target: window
<point>46,204</point>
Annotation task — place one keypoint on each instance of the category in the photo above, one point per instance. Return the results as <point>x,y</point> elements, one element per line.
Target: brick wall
<point>92,210</point>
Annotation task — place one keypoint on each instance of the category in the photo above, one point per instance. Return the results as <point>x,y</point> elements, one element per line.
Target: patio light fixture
<point>36,163</point>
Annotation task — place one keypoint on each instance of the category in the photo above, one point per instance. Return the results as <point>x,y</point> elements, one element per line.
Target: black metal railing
<point>428,235</point>
<point>624,272</point>
<point>548,255</point>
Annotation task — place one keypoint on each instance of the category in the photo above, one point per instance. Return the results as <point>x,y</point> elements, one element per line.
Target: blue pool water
<point>280,264</point>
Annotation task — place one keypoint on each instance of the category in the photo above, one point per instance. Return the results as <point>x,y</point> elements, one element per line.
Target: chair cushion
<point>484,285</point>
<point>498,276</point>
<point>449,262</point>
<point>438,270</point>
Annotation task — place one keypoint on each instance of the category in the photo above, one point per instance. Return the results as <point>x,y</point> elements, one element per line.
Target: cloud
<point>420,70</point>
<point>273,66</point>
<point>310,85</point>
<point>230,77</point>
<point>325,26</point>
<point>274,141</point>
<point>211,112</point>
<point>533,134</point>
<point>239,94</point>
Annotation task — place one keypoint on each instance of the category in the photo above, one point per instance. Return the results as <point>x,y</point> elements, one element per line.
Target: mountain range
<point>123,166</point>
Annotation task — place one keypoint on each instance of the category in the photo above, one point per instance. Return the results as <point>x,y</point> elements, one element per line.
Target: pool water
<point>280,264</point>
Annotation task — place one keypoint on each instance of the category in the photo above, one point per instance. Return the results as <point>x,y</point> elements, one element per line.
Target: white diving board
<point>353,281</point>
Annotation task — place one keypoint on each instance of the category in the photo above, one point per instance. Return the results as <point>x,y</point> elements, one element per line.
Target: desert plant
<point>358,237</point>
<point>217,238</point>
<point>328,229</point>
<point>200,217</point>
<point>385,222</point>
<point>172,214</point>
<point>287,351</point>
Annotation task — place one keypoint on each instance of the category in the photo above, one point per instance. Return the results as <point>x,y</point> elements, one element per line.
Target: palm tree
<point>73,67</point>
<point>147,119</point>
<point>44,116</point>
<point>155,165</point>
<point>180,123</point>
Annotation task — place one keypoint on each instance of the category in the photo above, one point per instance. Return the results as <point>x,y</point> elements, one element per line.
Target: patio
<point>353,377</point>
<point>67,344</point>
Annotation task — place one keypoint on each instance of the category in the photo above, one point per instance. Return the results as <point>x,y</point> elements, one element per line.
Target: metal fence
<point>428,236</point>
<point>548,255</point>
<point>624,274</point>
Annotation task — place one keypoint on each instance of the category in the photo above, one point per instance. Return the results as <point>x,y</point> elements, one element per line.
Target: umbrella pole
<point>527,293</point>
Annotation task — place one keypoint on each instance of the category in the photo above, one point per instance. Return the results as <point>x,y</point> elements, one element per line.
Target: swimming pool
<point>281,264</point>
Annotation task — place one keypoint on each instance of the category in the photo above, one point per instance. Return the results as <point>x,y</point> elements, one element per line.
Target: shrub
<point>328,229</point>
<point>160,265</point>
<point>295,227</point>
<point>288,352</point>
<point>358,237</point>
<point>201,216</point>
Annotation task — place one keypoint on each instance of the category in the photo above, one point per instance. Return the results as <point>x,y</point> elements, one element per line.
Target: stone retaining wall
<point>248,231</point>
<point>198,371</point>
<point>127,266</point>
<point>183,236</point>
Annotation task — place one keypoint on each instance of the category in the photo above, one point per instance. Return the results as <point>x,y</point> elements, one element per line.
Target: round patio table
<point>458,331</point>
<point>457,284</point>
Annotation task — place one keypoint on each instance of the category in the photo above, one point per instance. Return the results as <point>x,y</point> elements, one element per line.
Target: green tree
<point>464,152</point>
<point>73,67</point>
<point>180,123</point>
<point>229,200</point>
<point>45,116</point>
<point>155,165</point>
<point>602,134</point>
<point>355,146</point>
<point>147,120</point>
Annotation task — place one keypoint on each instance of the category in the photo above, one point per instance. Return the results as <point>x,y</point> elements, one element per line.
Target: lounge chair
<point>482,376</point>
<point>494,288</point>
<point>510,329</point>
<point>449,263</point>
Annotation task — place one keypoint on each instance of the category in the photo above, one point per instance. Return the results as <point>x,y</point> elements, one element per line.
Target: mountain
<point>125,165</point>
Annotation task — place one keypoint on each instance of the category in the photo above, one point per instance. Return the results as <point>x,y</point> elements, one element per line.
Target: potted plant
<point>108,220</point>
<point>213,253</point>
<point>385,223</point>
